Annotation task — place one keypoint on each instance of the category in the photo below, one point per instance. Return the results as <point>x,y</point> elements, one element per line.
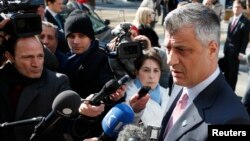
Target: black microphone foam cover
<point>66,104</point>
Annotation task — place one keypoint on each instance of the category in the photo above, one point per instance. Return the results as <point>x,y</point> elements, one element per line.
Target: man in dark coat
<point>88,68</point>
<point>27,89</point>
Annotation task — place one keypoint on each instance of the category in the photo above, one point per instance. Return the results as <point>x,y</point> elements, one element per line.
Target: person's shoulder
<point>55,75</point>
<point>245,19</point>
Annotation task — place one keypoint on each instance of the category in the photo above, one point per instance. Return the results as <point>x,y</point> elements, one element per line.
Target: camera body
<point>125,47</point>
<point>21,23</point>
<point>126,51</point>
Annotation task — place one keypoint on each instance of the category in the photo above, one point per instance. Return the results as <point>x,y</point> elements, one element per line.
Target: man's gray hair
<point>205,22</point>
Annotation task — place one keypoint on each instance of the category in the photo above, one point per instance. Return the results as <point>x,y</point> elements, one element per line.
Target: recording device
<point>143,91</point>
<point>65,105</point>
<point>121,59</point>
<point>125,47</point>
<point>109,88</point>
<point>152,132</point>
<point>120,115</point>
<point>21,24</point>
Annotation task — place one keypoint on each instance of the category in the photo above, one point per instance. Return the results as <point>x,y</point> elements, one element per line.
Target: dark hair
<point>11,44</point>
<point>47,1</point>
<point>242,3</point>
<point>148,54</point>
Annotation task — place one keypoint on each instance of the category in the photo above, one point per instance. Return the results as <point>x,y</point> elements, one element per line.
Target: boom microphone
<point>109,88</point>
<point>65,105</point>
<point>120,115</point>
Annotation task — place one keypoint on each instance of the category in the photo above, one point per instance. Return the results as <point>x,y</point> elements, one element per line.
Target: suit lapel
<point>237,24</point>
<point>50,18</point>
<point>176,90</point>
<point>27,96</point>
<point>188,119</point>
<point>175,94</point>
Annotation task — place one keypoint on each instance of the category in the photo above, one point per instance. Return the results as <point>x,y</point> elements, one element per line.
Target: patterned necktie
<point>178,110</point>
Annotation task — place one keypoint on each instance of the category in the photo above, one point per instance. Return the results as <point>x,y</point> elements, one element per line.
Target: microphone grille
<point>66,104</point>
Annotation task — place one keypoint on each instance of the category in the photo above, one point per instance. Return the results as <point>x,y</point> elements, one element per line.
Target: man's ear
<point>9,57</point>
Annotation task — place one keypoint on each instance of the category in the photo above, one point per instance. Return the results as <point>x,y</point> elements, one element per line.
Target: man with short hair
<point>53,8</point>
<point>236,43</point>
<point>27,88</point>
<point>49,37</point>
<point>201,96</point>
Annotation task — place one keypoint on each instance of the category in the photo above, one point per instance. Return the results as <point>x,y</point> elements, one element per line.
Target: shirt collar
<point>237,17</point>
<point>51,12</point>
<point>195,91</point>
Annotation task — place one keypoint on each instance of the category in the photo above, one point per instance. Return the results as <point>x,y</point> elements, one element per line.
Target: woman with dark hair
<point>148,72</point>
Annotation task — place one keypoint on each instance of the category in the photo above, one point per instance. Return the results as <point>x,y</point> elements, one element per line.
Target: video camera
<point>125,47</point>
<point>23,21</point>
<point>126,50</point>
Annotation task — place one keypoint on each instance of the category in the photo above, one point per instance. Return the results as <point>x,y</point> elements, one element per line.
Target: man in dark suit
<point>192,35</point>
<point>52,15</point>
<point>53,8</point>
<point>236,43</point>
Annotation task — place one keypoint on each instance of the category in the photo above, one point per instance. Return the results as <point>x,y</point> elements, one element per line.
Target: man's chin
<point>35,76</point>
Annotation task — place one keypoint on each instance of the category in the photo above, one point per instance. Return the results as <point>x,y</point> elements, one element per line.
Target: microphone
<point>133,132</point>
<point>109,88</point>
<point>30,121</point>
<point>65,105</point>
<point>120,115</point>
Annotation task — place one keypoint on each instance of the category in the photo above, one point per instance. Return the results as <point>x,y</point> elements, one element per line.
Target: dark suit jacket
<point>51,19</point>
<point>238,38</point>
<point>216,104</point>
<point>35,100</point>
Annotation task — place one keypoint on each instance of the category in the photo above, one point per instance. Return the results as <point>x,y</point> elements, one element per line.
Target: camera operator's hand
<point>112,45</point>
<point>138,104</point>
<point>143,38</point>
<point>90,110</point>
<point>118,94</point>
<point>3,23</point>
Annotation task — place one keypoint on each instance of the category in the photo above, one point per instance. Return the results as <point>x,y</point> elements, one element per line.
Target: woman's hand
<point>138,104</point>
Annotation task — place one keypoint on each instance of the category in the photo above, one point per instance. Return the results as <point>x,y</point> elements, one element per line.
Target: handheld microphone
<point>65,105</point>
<point>109,88</point>
<point>120,115</point>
